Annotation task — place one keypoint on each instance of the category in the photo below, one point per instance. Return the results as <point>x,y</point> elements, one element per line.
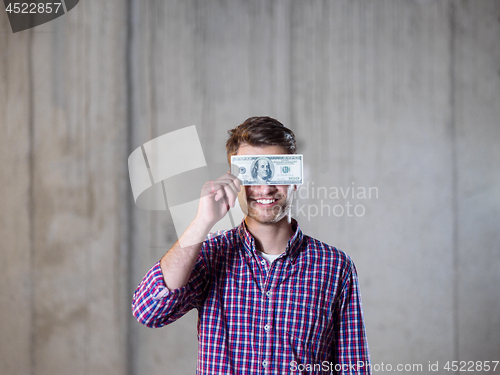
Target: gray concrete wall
<point>399,96</point>
<point>63,280</point>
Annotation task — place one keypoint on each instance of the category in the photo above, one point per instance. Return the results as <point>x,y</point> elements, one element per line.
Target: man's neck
<point>271,238</point>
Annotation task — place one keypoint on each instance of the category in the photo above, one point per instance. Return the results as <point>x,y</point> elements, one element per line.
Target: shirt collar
<point>292,248</point>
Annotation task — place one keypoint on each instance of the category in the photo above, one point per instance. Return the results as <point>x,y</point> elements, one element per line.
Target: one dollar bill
<point>283,169</point>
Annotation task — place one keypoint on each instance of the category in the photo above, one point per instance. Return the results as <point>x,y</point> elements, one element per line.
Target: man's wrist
<point>196,233</point>
<point>202,225</point>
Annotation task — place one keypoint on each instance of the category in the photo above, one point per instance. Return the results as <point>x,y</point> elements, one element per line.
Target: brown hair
<point>260,132</point>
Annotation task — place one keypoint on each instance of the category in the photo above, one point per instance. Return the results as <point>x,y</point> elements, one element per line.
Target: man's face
<point>265,204</point>
<point>263,169</point>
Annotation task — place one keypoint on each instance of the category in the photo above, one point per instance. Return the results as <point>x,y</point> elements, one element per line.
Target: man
<point>261,171</point>
<point>270,299</point>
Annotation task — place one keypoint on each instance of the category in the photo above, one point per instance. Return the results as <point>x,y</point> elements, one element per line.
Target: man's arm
<point>178,263</point>
<point>174,285</point>
<point>216,199</point>
<point>351,346</point>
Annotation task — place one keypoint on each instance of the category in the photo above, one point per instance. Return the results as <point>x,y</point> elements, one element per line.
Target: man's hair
<point>260,132</point>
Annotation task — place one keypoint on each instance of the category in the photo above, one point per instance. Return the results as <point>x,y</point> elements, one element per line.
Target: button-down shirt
<point>300,314</point>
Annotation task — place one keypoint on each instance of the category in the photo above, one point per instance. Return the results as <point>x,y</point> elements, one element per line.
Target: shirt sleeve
<point>351,347</point>
<point>155,305</point>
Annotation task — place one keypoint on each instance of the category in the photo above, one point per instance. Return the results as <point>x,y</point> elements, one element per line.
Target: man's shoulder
<point>224,238</point>
<point>324,251</point>
<point>222,235</point>
<point>219,246</point>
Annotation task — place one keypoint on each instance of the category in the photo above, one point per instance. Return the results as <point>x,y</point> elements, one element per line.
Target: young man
<point>270,299</point>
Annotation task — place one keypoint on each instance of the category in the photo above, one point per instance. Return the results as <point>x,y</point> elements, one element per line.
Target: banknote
<point>283,169</point>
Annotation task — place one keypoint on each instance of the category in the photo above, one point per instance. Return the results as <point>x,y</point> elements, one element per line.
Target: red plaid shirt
<point>301,314</point>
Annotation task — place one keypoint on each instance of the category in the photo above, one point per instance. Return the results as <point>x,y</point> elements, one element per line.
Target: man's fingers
<point>230,194</point>
<point>233,187</point>
<point>235,182</point>
<point>224,181</point>
<point>225,186</point>
<point>225,191</point>
<point>219,194</point>
<point>232,181</point>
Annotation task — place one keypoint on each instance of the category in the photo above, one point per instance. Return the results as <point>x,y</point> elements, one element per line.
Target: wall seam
<point>129,226</point>
<point>31,200</point>
<point>453,130</point>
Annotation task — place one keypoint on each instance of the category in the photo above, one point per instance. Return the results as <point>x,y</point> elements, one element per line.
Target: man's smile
<point>266,202</point>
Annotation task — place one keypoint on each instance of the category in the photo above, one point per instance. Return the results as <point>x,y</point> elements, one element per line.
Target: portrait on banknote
<point>262,170</point>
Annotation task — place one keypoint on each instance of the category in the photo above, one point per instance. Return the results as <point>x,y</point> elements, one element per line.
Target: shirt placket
<point>267,313</point>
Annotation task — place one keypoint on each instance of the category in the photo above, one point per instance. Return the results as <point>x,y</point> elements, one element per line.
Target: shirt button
<point>262,262</point>
<point>266,327</point>
<point>264,363</point>
<point>268,294</point>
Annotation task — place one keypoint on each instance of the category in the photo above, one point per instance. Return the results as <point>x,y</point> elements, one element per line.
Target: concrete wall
<point>63,260</point>
<point>399,96</point>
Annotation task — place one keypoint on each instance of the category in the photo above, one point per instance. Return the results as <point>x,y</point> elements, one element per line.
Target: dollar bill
<point>268,169</point>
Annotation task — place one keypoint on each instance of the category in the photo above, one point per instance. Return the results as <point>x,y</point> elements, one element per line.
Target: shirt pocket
<point>307,324</point>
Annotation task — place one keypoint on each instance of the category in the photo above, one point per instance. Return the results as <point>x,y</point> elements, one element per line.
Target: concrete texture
<point>373,86</point>
<point>402,97</point>
<point>64,296</point>
<point>15,229</point>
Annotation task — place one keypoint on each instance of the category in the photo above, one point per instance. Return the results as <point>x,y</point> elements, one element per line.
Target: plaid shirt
<point>301,314</point>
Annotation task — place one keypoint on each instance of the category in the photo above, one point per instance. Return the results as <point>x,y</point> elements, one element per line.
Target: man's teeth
<point>265,201</point>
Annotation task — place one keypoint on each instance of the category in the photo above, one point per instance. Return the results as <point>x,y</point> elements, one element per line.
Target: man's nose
<point>265,189</point>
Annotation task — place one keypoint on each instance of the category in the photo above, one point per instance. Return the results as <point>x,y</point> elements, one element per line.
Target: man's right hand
<point>217,197</point>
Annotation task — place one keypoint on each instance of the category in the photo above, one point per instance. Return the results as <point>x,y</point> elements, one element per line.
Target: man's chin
<point>264,218</point>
